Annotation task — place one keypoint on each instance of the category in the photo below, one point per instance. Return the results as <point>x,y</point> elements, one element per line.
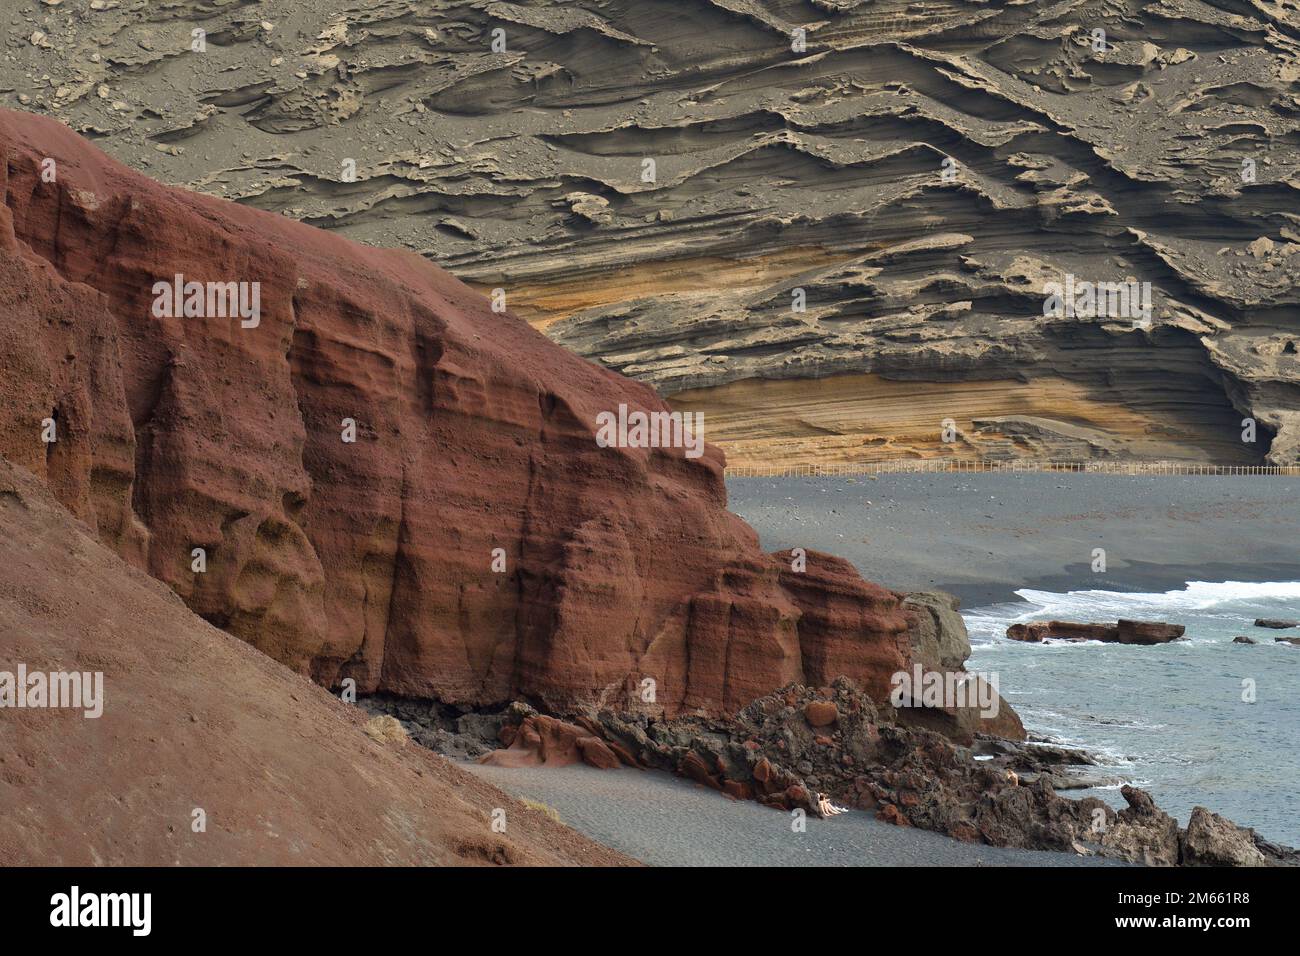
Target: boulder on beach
<point>1275,623</point>
<point>1211,840</point>
<point>820,713</point>
<point>541,741</point>
<point>1122,632</point>
<point>940,643</point>
<point>1287,640</point>
<point>939,638</point>
<point>1240,639</point>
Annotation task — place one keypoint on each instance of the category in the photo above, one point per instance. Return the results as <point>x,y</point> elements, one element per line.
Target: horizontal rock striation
<point>474,544</point>
<point>919,172</point>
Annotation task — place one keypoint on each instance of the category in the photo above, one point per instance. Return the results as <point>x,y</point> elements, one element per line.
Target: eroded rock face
<point>1211,840</point>
<point>373,559</point>
<point>919,173</point>
<point>539,741</point>
<point>286,773</point>
<point>941,644</point>
<point>939,639</point>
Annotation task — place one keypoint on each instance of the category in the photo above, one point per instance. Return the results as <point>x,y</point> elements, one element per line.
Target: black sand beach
<point>983,536</point>
<point>666,821</point>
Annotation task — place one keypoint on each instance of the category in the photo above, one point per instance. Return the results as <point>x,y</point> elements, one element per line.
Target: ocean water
<point>1169,718</point>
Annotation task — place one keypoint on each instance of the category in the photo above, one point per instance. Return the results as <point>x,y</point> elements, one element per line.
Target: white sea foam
<point>1173,715</point>
<point>1196,596</point>
<point>1238,601</point>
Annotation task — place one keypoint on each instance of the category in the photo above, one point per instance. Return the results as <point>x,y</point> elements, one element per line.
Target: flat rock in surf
<point>1122,632</point>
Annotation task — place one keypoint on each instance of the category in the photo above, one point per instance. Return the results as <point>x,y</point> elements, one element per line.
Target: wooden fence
<point>954,465</point>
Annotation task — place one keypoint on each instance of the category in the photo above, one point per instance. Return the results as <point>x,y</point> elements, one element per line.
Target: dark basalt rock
<point>998,792</point>
<point>1123,632</point>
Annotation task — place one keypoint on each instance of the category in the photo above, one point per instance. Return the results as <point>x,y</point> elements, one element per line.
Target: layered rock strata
<point>652,181</point>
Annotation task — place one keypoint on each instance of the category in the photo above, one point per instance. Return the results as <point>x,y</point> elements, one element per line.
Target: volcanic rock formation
<point>920,172</point>
<point>473,545</point>
<point>193,719</point>
<point>1122,632</point>
<point>782,752</point>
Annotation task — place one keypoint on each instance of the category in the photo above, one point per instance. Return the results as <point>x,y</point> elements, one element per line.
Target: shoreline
<point>903,523</point>
<point>663,820</point>
<point>983,536</point>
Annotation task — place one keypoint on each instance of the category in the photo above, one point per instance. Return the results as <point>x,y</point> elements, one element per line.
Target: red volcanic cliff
<point>373,559</point>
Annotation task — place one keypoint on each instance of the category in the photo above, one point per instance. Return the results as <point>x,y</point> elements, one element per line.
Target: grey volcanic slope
<point>1165,153</point>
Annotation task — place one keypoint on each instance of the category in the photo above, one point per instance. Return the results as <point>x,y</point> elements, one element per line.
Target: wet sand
<point>983,536</point>
<point>666,821</point>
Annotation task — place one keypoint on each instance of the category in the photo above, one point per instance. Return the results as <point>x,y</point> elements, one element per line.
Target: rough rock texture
<point>773,753</point>
<point>1064,768</point>
<point>941,644</point>
<point>1210,840</point>
<point>285,773</point>
<point>459,732</point>
<point>373,560</point>
<point>539,740</point>
<point>1166,153</point>
<point>1123,632</point>
<point>962,723</point>
<point>939,639</point>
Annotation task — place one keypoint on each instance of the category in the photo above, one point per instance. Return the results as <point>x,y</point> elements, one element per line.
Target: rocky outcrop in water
<point>919,173</point>
<point>1124,632</point>
<point>377,478</point>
